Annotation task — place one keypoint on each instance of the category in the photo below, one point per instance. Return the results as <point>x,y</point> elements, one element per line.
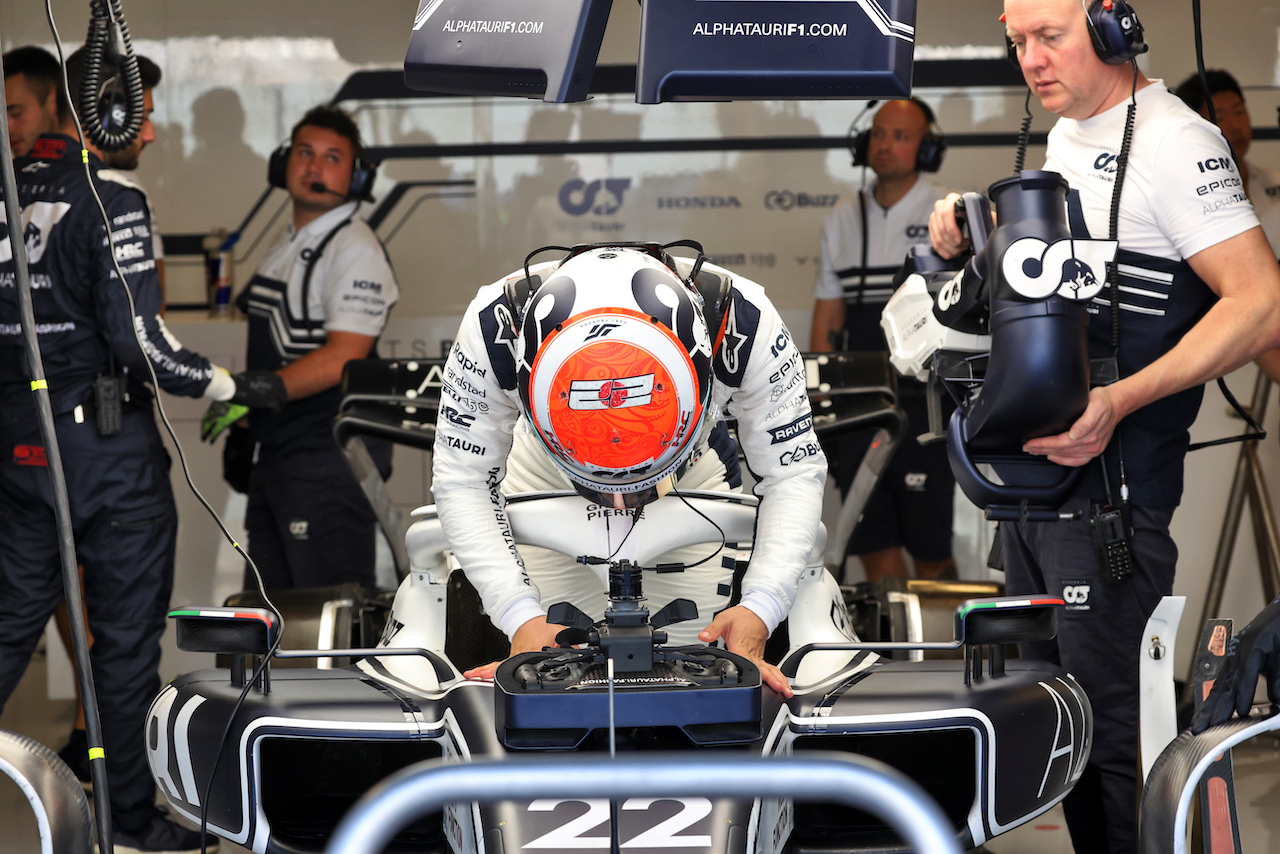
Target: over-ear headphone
<point>363,174</point>
<point>113,105</point>
<point>1114,29</point>
<point>928,156</point>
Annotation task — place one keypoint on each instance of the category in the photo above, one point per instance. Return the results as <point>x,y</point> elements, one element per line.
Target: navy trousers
<point>1100,635</point>
<point>125,528</point>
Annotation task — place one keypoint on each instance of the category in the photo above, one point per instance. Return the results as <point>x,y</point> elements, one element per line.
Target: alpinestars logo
<point>1073,269</point>
<point>611,394</point>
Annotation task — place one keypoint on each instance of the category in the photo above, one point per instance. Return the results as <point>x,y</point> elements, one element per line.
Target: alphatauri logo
<point>600,197</point>
<point>1072,269</point>
<point>1076,594</point>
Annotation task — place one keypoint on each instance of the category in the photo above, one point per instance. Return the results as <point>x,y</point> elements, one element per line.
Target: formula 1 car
<point>273,758</point>
<point>273,763</point>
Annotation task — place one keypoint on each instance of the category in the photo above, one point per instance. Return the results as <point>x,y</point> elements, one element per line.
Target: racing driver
<point>610,372</point>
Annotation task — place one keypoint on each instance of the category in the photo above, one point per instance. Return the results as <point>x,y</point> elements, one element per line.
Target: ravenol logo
<point>578,198</point>
<point>1072,269</point>
<point>789,431</point>
<point>611,394</point>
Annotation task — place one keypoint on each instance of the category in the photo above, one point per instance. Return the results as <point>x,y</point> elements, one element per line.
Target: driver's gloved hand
<point>260,390</point>
<point>1254,651</point>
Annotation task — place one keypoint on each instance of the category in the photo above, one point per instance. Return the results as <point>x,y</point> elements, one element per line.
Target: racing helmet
<point>613,372</point>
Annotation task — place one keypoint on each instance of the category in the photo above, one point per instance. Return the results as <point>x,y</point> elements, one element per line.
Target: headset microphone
<point>317,187</point>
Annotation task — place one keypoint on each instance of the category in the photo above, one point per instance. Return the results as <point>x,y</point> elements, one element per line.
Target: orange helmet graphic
<point>614,372</point>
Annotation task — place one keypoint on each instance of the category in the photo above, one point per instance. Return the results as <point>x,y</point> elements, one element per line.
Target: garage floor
<point>1257,767</point>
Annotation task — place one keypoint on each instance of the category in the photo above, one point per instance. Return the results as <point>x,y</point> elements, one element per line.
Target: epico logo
<point>1072,269</point>
<point>577,197</point>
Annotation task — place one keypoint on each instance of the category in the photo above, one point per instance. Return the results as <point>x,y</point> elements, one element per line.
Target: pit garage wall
<point>238,74</point>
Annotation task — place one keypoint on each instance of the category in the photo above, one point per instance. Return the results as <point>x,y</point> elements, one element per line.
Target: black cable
<point>1122,166</point>
<point>1113,266</point>
<point>1200,72</point>
<point>249,682</point>
<point>596,561</point>
<point>723,539</point>
<point>1024,135</point>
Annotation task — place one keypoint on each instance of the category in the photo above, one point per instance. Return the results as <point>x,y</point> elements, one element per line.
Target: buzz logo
<point>1077,595</point>
<point>1068,268</point>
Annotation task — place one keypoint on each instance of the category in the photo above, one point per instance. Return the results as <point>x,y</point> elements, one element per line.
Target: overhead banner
<point>694,50</point>
<point>529,49</point>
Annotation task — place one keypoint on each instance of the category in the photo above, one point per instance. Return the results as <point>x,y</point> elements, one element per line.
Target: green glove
<point>218,417</point>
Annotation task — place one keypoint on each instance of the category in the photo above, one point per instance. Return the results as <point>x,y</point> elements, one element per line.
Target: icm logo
<point>1072,269</point>
<point>1076,595</point>
<point>600,197</point>
<point>683,203</point>
<point>363,285</point>
<point>1105,163</point>
<point>785,200</point>
<point>1216,164</point>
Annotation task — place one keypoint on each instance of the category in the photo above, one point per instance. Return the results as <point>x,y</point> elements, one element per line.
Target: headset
<point>363,174</point>
<point>1114,29</point>
<point>113,105</point>
<point>928,156</point>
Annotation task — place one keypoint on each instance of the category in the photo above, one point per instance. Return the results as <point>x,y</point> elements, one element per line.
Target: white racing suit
<point>484,451</point>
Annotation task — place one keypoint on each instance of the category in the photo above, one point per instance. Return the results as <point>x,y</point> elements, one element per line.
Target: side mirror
<point>1007,619</point>
<point>992,622</point>
<point>236,631</point>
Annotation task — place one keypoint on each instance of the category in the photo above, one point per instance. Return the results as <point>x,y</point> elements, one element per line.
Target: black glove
<point>260,390</point>
<point>1254,651</point>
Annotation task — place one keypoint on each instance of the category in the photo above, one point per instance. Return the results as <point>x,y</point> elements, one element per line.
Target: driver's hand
<point>944,231</point>
<point>533,636</point>
<point>745,634</point>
